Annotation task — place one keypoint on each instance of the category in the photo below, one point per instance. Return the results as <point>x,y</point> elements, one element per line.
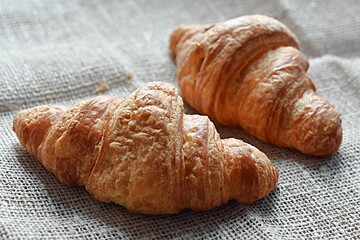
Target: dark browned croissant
<point>248,72</point>
<point>144,153</point>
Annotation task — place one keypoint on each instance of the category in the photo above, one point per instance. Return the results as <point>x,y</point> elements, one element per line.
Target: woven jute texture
<point>57,52</point>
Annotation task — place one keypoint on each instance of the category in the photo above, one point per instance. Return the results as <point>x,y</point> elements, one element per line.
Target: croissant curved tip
<point>31,125</point>
<point>317,129</point>
<point>258,176</point>
<point>176,35</point>
<point>327,142</point>
<point>182,33</point>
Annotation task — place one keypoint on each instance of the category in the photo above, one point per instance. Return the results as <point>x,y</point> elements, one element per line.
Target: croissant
<point>144,153</point>
<point>248,72</point>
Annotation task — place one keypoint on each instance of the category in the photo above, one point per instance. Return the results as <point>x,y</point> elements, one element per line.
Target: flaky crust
<point>248,72</point>
<point>144,153</point>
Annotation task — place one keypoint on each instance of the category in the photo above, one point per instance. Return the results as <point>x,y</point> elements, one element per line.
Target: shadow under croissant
<point>80,210</point>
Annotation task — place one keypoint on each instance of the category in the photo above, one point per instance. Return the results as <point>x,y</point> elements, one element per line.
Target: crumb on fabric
<point>128,77</point>
<point>143,60</point>
<point>102,86</point>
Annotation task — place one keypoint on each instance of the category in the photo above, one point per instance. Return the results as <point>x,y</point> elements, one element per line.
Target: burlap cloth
<point>57,52</point>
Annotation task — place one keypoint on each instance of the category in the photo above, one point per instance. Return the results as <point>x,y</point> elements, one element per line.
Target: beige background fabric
<point>55,52</point>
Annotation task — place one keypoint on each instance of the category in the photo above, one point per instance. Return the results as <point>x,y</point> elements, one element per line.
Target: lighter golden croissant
<point>248,72</point>
<point>144,153</point>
